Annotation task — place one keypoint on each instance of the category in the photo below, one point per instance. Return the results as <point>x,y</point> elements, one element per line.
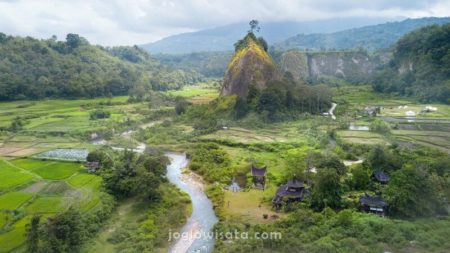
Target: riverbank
<point>193,234</point>
<point>146,224</point>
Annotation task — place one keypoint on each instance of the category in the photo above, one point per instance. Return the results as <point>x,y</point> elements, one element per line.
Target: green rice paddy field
<point>29,186</point>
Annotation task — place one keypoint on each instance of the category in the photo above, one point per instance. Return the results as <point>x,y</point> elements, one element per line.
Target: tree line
<point>420,66</point>
<point>37,69</point>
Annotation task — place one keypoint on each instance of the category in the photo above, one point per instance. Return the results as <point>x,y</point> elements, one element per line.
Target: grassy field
<point>196,94</point>
<point>249,206</point>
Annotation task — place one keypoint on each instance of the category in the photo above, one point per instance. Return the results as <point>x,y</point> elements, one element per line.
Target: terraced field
<point>56,116</point>
<point>196,94</point>
<point>31,186</point>
<point>362,137</point>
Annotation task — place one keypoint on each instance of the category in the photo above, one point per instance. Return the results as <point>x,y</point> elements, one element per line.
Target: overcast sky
<point>128,22</point>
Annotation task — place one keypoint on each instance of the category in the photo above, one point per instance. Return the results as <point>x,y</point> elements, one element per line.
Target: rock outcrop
<point>352,66</point>
<point>250,65</point>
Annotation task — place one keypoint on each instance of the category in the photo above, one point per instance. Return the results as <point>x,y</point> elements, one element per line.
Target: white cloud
<point>116,22</point>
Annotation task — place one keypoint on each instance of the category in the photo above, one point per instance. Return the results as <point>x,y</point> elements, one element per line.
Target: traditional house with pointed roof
<point>92,166</point>
<point>381,177</point>
<point>294,190</point>
<point>259,177</point>
<point>373,204</point>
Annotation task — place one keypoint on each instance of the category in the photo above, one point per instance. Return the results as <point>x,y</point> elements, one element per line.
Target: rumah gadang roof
<point>381,176</point>
<point>259,172</point>
<point>295,184</point>
<point>93,165</point>
<point>293,189</point>
<point>373,201</point>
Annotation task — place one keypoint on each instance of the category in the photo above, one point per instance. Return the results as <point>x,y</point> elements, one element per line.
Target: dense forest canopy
<point>36,69</point>
<point>420,66</point>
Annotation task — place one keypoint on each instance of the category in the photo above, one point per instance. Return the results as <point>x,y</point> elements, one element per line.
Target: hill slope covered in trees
<point>36,69</point>
<point>420,66</point>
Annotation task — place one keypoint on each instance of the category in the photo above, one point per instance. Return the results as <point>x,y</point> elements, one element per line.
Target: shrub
<point>99,114</point>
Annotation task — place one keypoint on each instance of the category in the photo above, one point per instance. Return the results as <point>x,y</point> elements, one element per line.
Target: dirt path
<point>350,163</point>
<point>331,111</point>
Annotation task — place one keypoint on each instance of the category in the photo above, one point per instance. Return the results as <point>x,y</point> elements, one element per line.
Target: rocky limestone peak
<point>250,65</point>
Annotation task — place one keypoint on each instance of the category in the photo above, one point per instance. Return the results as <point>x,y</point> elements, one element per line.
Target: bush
<point>380,126</point>
<point>99,114</point>
<point>361,178</point>
<point>181,105</point>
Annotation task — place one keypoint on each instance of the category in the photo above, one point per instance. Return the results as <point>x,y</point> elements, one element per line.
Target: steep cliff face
<point>295,62</point>
<point>250,65</point>
<point>352,66</point>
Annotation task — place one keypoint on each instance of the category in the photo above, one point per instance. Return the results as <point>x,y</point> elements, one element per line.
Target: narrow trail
<point>331,111</point>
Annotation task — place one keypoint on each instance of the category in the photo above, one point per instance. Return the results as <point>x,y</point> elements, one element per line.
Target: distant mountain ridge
<point>222,38</point>
<point>369,37</point>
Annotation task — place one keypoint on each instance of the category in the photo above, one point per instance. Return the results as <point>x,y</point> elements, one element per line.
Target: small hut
<point>92,166</point>
<point>234,187</point>
<point>381,177</point>
<point>259,177</point>
<point>294,190</point>
<point>373,204</point>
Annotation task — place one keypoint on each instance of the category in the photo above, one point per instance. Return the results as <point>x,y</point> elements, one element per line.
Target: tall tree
<point>327,189</point>
<point>33,234</point>
<point>411,193</point>
<point>254,26</point>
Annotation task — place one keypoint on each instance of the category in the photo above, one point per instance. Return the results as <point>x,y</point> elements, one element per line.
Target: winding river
<point>194,235</point>
<point>203,217</point>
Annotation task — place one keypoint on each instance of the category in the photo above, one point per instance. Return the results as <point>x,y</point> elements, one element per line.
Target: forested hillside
<point>368,37</point>
<point>210,64</point>
<point>420,66</point>
<point>36,69</point>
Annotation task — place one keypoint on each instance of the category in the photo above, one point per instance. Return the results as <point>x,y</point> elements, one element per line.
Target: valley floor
<point>29,186</point>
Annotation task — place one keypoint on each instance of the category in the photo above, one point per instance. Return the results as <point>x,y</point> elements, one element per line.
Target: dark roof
<point>375,201</point>
<point>295,183</point>
<point>380,176</point>
<point>259,171</point>
<point>94,165</point>
<point>283,191</point>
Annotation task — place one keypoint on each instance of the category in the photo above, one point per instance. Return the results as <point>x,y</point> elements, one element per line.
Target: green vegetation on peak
<point>251,65</point>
